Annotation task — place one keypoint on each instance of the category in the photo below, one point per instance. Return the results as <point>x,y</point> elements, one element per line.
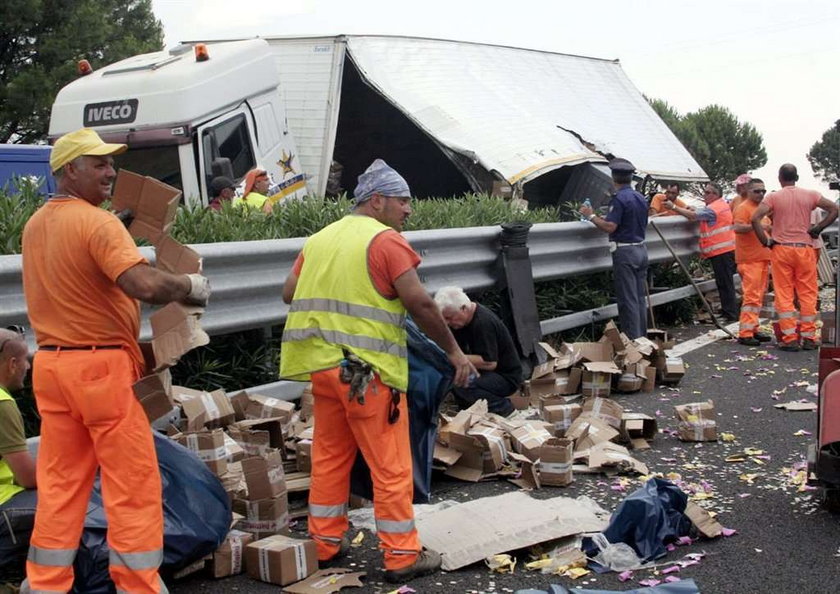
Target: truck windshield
<point>158,162</point>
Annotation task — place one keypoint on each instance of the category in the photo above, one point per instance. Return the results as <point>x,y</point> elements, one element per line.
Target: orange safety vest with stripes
<point>718,238</point>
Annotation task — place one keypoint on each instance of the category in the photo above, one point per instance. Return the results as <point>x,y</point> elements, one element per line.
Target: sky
<point>773,63</point>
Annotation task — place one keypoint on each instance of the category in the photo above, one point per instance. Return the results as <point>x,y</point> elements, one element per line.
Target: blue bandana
<point>380,179</point>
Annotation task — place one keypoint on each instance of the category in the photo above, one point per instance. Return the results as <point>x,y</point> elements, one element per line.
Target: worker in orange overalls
<point>753,260</point>
<point>82,277</point>
<point>793,257</point>
<point>349,290</point>
<point>717,244</point>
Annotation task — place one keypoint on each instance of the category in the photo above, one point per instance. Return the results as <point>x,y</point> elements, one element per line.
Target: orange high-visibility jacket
<point>718,238</point>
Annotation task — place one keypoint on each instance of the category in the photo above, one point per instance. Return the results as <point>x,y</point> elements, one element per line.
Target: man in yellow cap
<point>82,278</point>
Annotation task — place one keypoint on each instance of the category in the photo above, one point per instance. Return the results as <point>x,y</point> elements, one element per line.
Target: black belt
<point>52,347</point>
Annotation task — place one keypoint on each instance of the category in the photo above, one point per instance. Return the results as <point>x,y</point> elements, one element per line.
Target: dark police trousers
<point>724,268</point>
<point>630,264</point>
<point>489,386</point>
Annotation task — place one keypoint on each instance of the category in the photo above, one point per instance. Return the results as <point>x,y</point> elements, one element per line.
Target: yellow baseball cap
<point>81,142</point>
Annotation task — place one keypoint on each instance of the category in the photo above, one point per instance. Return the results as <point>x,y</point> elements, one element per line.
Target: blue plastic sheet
<point>648,519</point>
<point>429,378</point>
<point>680,587</point>
<point>196,519</point>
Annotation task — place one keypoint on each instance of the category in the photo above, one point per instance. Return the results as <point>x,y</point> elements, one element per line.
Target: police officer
<point>626,222</point>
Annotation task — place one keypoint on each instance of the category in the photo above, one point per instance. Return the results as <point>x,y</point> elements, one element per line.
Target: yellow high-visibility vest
<point>8,488</point>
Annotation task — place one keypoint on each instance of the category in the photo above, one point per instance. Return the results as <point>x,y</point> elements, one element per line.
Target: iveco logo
<point>110,112</point>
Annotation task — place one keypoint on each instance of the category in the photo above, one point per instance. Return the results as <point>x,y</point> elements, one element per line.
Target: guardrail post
<point>518,282</point>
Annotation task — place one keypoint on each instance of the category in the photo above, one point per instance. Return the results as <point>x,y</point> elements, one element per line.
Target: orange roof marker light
<point>83,67</point>
<point>201,53</point>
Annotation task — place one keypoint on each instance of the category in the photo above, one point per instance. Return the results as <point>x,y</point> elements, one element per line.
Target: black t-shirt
<point>487,336</point>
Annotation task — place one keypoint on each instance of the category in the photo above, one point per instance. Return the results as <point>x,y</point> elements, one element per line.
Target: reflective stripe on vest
<point>26,589</point>
<point>51,557</point>
<point>336,306</point>
<point>8,488</point>
<point>718,238</point>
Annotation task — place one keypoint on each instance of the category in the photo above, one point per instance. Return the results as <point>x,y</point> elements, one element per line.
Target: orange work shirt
<point>656,204</point>
<point>73,253</point>
<point>791,207</point>
<point>389,257</point>
<point>747,246</point>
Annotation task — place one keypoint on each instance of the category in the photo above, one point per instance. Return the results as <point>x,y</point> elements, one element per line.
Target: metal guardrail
<point>247,276</point>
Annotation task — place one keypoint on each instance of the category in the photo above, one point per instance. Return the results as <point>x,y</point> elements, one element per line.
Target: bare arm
<point>154,286</point>
<point>830,208</point>
<point>480,364</point>
<point>599,221</point>
<point>758,215</point>
<point>427,315</point>
<point>742,228</point>
<point>23,467</point>
<point>686,212</point>
<point>289,287</point>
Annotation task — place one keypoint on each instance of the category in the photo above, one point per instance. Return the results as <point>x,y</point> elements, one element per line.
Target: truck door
<point>225,147</point>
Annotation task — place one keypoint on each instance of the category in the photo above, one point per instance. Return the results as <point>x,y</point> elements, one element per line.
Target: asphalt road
<point>785,542</point>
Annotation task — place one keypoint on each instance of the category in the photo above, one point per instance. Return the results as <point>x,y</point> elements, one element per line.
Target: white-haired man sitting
<point>489,347</point>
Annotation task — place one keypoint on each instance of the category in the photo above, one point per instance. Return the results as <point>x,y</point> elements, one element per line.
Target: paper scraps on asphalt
<point>797,405</point>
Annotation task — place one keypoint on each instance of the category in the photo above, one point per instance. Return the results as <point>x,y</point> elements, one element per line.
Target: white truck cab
<point>187,120</point>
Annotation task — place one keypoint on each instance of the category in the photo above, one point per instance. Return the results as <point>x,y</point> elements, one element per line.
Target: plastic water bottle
<point>587,203</point>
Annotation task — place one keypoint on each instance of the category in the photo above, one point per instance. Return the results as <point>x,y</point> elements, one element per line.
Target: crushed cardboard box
<point>204,409</point>
<point>154,394</point>
<point>561,416</point>
<point>264,475</point>
<point>263,517</point>
<point>175,332</point>
<point>228,558</point>
<point>175,257</point>
<point>266,407</point>
<point>327,581</point>
<point>606,409</point>
<point>696,421</point>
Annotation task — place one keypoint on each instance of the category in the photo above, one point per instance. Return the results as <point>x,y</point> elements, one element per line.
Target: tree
<point>41,42</point>
<point>824,156</point>
<point>722,145</point>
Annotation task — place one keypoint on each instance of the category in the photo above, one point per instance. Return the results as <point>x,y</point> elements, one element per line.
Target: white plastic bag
<point>615,556</point>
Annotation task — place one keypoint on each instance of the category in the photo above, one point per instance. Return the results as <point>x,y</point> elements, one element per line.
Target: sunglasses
<point>759,191</point>
<point>17,330</point>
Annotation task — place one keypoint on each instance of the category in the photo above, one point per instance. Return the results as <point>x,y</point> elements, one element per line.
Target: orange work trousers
<point>795,275</point>
<point>754,277</point>
<point>90,418</point>
<point>343,427</point>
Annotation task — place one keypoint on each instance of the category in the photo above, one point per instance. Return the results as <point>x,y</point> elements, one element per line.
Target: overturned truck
<point>451,116</point>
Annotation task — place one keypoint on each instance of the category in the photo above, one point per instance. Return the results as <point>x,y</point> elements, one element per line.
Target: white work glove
<point>199,290</point>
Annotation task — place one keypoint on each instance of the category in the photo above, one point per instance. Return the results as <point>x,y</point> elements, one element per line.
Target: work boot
<point>427,562</point>
<point>763,337</point>
<point>809,345</point>
<point>343,547</point>
<point>749,341</point>
<point>791,347</point>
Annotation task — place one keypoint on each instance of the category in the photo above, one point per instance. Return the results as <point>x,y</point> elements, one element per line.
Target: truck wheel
<point>831,499</point>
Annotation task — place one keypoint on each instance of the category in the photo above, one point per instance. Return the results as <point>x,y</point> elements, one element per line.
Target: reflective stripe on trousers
<point>754,276</point>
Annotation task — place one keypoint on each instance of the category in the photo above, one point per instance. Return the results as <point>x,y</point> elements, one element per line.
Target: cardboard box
<point>611,455</point>
<point>672,371</point>
<point>307,403</point>
<point>327,581</point>
<point>588,431</point>
<point>697,421</point>
<point>209,446</point>
<point>257,435</point>
<point>561,416</point>
<point>153,203</point>
<point>555,465</point>
<point>175,332</point>
<point>520,401</point>
<point>263,517</point>
<point>614,336</point>
<point>494,444</point>
<point>638,426</point>
<point>228,558</point>
<point>303,455</point>
<point>543,369</point>
<point>175,257</point>
<point>204,409</point>
<point>594,351</point>
<point>281,560</point>
<point>153,392</point>
<point>264,475</point>
<point>239,401</point>
<point>650,379</point>
<point>703,520</point>
<point>477,457</point>
<point>605,409</point>
<point>233,451</point>
<point>597,378</point>
<point>528,438</point>
<point>558,382</point>
<point>266,407</point>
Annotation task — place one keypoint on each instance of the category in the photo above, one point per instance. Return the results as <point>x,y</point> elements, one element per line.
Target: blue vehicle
<point>26,161</point>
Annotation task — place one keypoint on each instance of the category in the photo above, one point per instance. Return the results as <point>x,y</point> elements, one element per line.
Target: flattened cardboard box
<point>471,531</point>
<point>327,581</point>
<point>266,407</point>
<point>153,203</point>
<point>175,332</point>
<point>606,409</point>
<point>257,435</point>
<point>561,416</point>
<point>703,520</point>
<point>204,409</point>
<point>264,475</point>
<point>228,558</point>
<point>153,392</point>
<point>264,517</point>
<point>612,455</point>
<point>556,457</point>
<point>281,560</point>
<point>175,257</point>
<point>209,446</point>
